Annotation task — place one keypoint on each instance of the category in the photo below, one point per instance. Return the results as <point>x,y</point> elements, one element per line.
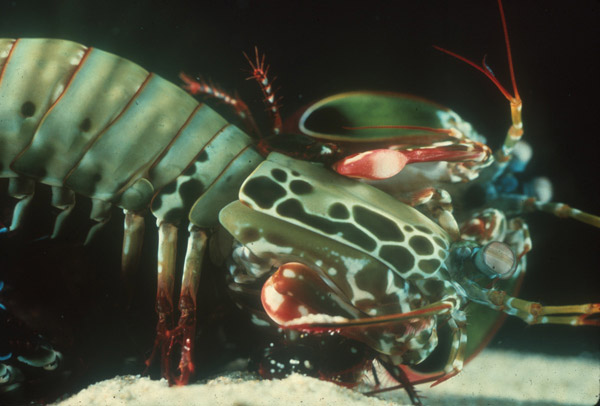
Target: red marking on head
<point>375,165</point>
<point>281,295</point>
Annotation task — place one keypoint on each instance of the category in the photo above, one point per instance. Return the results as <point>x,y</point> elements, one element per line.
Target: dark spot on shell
<point>338,211</point>
<point>408,228</point>
<point>301,187</point>
<point>85,125</point>
<point>429,265</point>
<point>400,257</point>
<point>279,175</point>
<point>249,234</point>
<point>174,215</point>
<point>295,173</point>
<point>190,170</point>
<point>421,245</point>
<point>424,336</point>
<point>440,242</point>
<point>157,203</point>
<point>373,280</point>
<point>442,254</point>
<point>412,357</point>
<point>424,229</point>
<point>203,156</point>
<point>276,239</point>
<point>264,191</point>
<point>27,109</point>
<point>96,177</point>
<point>293,208</point>
<point>169,188</point>
<point>190,191</point>
<point>382,227</point>
<point>433,287</point>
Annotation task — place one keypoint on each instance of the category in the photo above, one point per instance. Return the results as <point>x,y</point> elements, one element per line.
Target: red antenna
<point>515,132</point>
<point>200,87</point>
<point>401,127</point>
<point>486,71</point>
<point>260,73</point>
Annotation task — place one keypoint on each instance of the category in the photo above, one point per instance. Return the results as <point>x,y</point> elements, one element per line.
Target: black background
<point>320,48</point>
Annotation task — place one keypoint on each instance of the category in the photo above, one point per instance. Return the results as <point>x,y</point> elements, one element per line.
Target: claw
<point>591,318</point>
<point>162,345</point>
<point>168,343</point>
<point>184,336</point>
<point>179,340</point>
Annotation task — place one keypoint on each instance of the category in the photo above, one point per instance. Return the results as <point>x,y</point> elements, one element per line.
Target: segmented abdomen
<point>102,126</point>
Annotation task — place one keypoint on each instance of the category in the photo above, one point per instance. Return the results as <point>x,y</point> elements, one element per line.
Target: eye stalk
<point>496,260</point>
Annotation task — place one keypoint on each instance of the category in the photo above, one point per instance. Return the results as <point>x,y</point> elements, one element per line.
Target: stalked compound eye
<point>496,260</point>
<point>5,375</point>
<point>51,366</point>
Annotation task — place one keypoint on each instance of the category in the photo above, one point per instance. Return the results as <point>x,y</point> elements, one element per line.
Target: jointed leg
<point>167,249</point>
<point>133,238</point>
<point>516,204</point>
<point>21,189</point>
<point>169,339</point>
<point>439,203</point>
<point>186,328</point>
<point>518,237</point>
<point>535,313</point>
<point>459,345</point>
<point>399,374</point>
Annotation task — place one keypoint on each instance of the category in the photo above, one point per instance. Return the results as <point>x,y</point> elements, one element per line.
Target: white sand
<point>493,378</point>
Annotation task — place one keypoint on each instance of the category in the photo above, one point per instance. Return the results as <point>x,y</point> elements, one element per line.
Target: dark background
<point>320,48</point>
